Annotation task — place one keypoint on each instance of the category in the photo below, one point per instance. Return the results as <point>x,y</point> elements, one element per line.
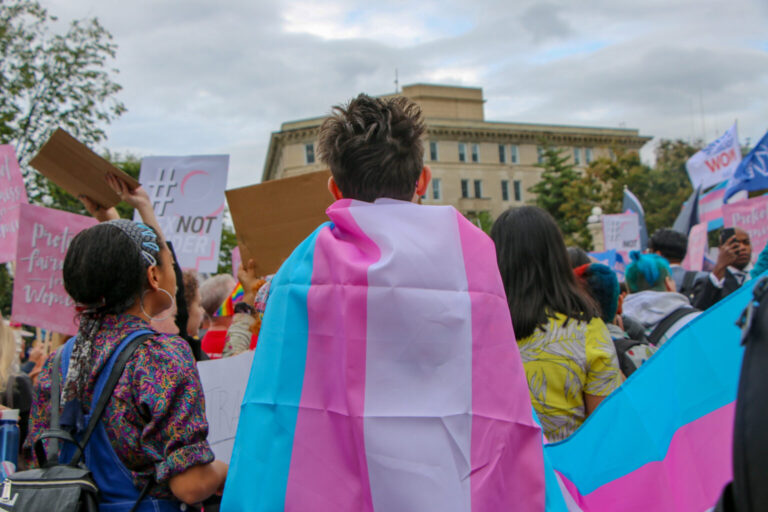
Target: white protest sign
<point>717,162</point>
<point>224,382</point>
<point>621,233</point>
<point>187,194</point>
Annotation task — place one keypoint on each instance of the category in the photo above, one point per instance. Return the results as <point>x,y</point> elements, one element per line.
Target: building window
<point>513,158</point>
<point>462,152</point>
<point>505,190</point>
<point>433,151</point>
<point>577,156</point>
<point>518,190</point>
<point>436,192</point>
<point>479,189</point>
<point>502,153</point>
<point>464,189</point>
<point>588,155</point>
<point>475,153</point>
<point>309,153</point>
<point>540,154</point>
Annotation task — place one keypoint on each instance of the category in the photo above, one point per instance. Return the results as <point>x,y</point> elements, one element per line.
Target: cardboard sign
<point>187,193</point>
<point>224,382</point>
<point>236,260</point>
<point>12,194</point>
<point>622,233</point>
<point>717,162</point>
<point>71,165</point>
<point>272,218</point>
<point>697,247</point>
<point>751,216</point>
<point>39,297</point>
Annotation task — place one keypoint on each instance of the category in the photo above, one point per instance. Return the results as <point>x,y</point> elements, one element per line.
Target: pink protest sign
<point>236,260</point>
<point>12,193</point>
<point>697,248</point>
<point>750,215</point>
<point>39,297</point>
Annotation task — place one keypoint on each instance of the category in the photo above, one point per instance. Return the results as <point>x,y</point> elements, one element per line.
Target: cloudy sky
<point>204,77</point>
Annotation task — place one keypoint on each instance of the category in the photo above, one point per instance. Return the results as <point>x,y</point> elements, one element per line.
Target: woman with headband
<point>121,275</point>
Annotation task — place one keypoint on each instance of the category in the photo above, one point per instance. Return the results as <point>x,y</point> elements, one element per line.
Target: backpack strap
<point>668,321</point>
<point>121,356</point>
<point>53,444</point>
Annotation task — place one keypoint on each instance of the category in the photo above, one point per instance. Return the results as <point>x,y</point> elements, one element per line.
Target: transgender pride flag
<point>663,441</point>
<point>387,377</point>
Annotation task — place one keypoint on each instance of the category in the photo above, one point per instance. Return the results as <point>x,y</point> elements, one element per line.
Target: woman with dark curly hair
<point>153,431</point>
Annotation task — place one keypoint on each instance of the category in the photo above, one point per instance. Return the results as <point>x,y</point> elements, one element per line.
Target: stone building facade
<point>477,165</point>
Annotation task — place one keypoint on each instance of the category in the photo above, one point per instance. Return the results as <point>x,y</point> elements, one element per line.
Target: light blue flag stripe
<point>261,458</point>
<point>693,374</point>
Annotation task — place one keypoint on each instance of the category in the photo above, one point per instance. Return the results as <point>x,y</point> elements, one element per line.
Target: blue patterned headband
<point>141,235</point>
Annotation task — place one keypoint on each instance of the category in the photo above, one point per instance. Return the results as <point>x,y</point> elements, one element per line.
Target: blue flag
<point>689,213</point>
<point>752,172</point>
<point>632,203</point>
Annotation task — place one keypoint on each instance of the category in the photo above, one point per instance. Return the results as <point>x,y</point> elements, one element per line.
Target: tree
<point>555,188</point>
<point>52,80</point>
<point>228,243</point>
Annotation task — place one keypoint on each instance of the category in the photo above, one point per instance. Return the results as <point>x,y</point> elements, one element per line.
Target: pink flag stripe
<point>503,431</point>
<point>328,469</point>
<point>670,485</point>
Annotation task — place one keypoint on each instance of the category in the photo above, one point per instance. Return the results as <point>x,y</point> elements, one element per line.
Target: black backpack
<point>668,321</point>
<point>68,487</point>
<point>632,353</point>
<point>748,491</point>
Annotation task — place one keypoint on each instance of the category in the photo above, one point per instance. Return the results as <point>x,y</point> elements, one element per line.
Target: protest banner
<point>224,382</point>
<point>39,297</point>
<point>717,162</point>
<point>71,165</point>
<point>273,217</point>
<point>236,260</point>
<point>711,206</point>
<point>12,194</point>
<point>697,248</point>
<point>187,194</point>
<point>622,233</point>
<point>751,216</point>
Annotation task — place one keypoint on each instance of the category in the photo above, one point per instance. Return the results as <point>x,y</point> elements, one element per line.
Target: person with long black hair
<point>570,361</point>
<point>120,273</point>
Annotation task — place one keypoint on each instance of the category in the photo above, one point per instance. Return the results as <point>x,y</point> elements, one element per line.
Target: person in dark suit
<point>730,271</point>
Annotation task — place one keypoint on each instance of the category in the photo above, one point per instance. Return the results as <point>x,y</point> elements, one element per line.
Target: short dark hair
<point>670,243</point>
<point>373,147</point>
<point>578,257</point>
<point>536,271</point>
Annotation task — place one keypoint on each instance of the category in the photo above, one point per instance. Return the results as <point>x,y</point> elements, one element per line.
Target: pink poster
<point>236,260</point>
<point>697,248</point>
<point>750,215</point>
<point>12,193</point>
<point>39,297</point>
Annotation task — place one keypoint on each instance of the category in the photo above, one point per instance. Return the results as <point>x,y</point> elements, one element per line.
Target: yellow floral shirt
<point>562,362</point>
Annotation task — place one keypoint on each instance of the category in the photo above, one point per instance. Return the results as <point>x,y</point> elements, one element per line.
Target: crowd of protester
<point>579,334</point>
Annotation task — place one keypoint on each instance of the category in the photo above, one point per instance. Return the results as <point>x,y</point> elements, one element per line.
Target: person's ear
<point>153,278</point>
<point>423,182</point>
<point>333,188</point>
<point>669,283</point>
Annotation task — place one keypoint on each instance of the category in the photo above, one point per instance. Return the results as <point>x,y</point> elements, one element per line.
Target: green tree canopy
<point>50,80</point>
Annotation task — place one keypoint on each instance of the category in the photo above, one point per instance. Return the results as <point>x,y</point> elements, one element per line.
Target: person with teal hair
<point>653,299</point>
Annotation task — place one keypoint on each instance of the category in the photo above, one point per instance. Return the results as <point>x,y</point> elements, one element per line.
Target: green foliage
<point>661,189</point>
<point>52,80</point>
<point>228,243</point>
<point>6,291</point>
<point>482,219</point>
<point>559,192</point>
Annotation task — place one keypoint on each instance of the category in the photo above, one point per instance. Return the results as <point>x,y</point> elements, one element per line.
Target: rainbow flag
<point>387,376</point>
<point>227,307</point>
<point>663,440</point>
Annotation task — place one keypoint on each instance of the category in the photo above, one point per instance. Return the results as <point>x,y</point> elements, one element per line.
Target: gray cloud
<point>201,77</point>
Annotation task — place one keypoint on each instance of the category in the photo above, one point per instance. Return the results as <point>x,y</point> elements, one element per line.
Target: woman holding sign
<point>121,275</point>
